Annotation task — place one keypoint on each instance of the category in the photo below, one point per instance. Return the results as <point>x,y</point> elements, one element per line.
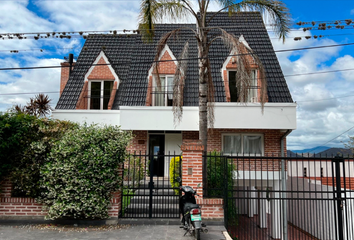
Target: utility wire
<point>182,59</point>
<point>337,136</point>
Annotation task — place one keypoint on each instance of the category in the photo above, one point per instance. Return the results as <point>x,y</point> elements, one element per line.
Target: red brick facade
<point>101,72</point>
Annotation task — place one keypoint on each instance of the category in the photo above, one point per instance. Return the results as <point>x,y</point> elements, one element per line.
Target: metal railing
<point>318,197</point>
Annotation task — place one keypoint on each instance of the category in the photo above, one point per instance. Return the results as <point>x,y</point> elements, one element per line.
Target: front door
<point>156,153</point>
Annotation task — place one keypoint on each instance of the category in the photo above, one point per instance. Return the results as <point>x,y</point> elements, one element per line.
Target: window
<point>99,94</point>
<point>234,144</point>
<point>164,95</point>
<point>252,91</point>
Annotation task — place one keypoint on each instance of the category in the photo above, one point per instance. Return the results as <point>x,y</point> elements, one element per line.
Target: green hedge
<point>82,171</point>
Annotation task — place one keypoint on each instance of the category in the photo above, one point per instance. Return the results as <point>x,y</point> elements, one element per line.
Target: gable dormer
<point>100,86</point>
<point>232,84</point>
<point>166,69</point>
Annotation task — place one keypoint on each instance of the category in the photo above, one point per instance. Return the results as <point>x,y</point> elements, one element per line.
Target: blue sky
<point>325,101</point>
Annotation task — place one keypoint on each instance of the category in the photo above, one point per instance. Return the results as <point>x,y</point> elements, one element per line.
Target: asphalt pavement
<point>128,230</point>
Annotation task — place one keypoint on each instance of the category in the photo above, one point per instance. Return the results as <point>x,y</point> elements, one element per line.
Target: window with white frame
<point>252,91</point>
<point>234,144</point>
<point>163,96</point>
<point>99,94</point>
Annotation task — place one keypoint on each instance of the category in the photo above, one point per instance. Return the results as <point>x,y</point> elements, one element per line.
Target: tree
<point>153,10</point>
<point>38,106</point>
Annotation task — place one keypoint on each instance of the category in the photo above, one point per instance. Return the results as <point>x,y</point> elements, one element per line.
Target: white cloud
<point>32,82</point>
<point>323,113</point>
<point>91,15</point>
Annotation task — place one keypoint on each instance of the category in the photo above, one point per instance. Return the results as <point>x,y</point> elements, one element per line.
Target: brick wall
<point>28,207</point>
<point>101,72</point>
<point>14,206</point>
<point>139,142</point>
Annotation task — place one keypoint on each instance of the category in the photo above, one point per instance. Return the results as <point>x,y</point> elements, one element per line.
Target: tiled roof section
<point>118,50</point>
<point>251,26</point>
<point>132,59</point>
<point>133,89</point>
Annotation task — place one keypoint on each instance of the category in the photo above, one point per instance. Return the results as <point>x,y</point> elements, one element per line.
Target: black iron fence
<point>294,197</point>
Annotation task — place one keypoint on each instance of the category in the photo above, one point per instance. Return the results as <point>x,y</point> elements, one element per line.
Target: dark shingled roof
<point>131,59</point>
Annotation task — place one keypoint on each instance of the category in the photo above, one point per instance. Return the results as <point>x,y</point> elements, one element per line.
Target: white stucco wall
<point>227,115</point>
<point>311,211</point>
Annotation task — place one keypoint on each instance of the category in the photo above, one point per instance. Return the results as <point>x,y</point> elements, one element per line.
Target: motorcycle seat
<point>189,206</point>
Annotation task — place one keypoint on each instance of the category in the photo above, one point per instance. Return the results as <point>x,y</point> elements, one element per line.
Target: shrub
<point>26,174</point>
<point>82,171</point>
<point>220,172</point>
<point>175,171</point>
<point>17,132</point>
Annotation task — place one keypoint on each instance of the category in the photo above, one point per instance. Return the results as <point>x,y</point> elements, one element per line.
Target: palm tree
<point>153,10</point>
<point>38,106</point>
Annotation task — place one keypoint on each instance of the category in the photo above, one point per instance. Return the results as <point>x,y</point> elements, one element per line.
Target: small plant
<point>175,172</point>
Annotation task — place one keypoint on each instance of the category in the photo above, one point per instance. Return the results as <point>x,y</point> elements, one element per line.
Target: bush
<point>220,172</point>
<point>175,171</point>
<point>17,132</point>
<point>26,174</point>
<point>82,171</point>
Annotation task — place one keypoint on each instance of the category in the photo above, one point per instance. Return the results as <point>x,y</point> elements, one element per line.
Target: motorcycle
<point>191,212</point>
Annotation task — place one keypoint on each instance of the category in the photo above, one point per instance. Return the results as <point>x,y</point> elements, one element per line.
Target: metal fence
<point>273,197</point>
<point>149,189</point>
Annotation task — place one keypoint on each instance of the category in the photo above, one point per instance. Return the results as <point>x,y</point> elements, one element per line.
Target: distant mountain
<point>312,150</point>
<point>290,153</point>
<point>329,152</point>
<point>335,151</point>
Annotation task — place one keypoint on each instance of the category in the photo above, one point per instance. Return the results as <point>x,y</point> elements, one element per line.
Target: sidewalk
<point>149,230</point>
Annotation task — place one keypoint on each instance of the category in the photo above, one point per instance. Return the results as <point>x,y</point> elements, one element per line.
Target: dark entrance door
<point>156,153</point>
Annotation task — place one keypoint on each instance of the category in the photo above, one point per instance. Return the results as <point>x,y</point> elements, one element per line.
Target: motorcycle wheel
<point>197,233</point>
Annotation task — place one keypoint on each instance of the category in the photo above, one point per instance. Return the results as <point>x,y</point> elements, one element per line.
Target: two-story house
<point>113,82</point>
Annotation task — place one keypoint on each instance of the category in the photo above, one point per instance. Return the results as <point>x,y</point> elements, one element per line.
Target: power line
<point>337,136</point>
<point>185,59</point>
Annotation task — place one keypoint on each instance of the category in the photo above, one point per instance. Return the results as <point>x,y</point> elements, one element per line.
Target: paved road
<point>122,232</point>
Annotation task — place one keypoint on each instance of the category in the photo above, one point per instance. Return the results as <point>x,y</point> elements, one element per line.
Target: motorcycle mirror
<point>199,185</point>
<point>179,179</point>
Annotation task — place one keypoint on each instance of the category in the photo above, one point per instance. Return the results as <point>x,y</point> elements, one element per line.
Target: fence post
<point>226,188</point>
<point>338,195</point>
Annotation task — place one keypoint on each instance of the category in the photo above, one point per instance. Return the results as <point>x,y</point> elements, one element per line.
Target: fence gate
<point>147,189</point>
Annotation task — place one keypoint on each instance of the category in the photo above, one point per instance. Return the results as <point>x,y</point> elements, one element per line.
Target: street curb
<point>227,236</point>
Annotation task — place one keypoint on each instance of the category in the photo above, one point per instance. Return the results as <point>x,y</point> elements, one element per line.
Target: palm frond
<point>277,11</point>
<point>178,84</point>
<point>153,10</point>
<point>245,60</point>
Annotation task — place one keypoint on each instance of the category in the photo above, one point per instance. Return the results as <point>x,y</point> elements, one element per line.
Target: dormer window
<point>252,89</point>
<point>99,94</point>
<point>163,96</point>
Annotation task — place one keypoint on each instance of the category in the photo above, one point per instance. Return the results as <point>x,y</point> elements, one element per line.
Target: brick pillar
<point>192,164</point>
<point>192,175</point>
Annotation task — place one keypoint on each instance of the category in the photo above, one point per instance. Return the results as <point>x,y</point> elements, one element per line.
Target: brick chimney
<point>65,69</point>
